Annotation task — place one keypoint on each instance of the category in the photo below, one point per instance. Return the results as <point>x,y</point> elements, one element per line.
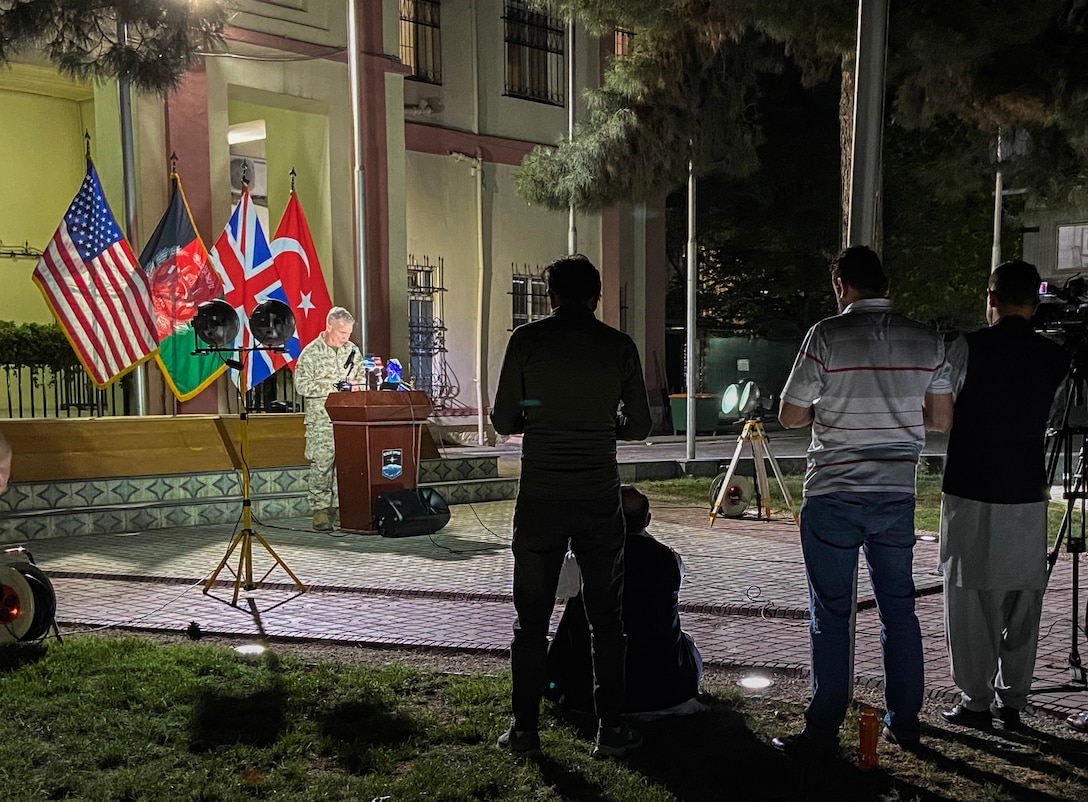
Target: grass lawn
<point>104,718</point>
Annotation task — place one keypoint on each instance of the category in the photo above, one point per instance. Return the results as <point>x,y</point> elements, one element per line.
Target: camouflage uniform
<point>318,370</point>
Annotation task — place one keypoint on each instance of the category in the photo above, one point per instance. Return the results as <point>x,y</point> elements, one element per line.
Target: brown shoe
<point>321,521</point>
<point>334,517</point>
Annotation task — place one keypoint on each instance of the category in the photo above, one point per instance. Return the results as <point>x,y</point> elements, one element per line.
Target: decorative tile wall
<point>34,511</point>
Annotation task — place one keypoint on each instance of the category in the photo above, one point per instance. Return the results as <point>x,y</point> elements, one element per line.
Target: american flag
<point>96,288</point>
<point>244,261</point>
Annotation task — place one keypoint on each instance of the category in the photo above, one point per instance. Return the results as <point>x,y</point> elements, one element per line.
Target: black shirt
<point>573,385</point>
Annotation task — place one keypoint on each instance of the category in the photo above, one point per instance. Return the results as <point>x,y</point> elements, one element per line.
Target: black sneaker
<point>963,717</point>
<point>1008,716</point>
<point>906,744</point>
<point>521,742</point>
<point>615,741</point>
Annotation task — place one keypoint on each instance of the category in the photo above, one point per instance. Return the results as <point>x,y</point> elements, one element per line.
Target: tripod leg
<point>729,474</point>
<point>223,563</point>
<point>762,487</point>
<point>782,484</point>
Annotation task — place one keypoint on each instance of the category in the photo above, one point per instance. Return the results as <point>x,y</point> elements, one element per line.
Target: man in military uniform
<point>329,363</point>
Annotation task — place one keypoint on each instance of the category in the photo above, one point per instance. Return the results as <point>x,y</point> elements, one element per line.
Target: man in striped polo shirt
<point>871,382</point>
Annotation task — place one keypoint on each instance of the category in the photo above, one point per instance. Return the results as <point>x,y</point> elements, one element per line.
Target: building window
<point>421,39</point>
<point>622,42</point>
<point>530,298</point>
<point>535,54</point>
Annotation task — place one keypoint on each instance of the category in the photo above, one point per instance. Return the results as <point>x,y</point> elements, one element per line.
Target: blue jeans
<point>833,526</point>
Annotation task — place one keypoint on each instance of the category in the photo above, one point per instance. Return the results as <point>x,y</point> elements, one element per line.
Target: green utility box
<point>706,412</point>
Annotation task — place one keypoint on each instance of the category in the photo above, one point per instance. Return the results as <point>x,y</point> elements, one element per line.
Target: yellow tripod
<point>243,541</point>
<point>754,434</point>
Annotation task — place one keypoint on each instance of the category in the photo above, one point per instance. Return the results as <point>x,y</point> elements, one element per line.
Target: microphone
<point>345,384</point>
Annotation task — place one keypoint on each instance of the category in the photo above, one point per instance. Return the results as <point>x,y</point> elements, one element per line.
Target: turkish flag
<point>300,272</point>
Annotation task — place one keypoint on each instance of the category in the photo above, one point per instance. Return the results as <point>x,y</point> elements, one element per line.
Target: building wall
<point>41,168</point>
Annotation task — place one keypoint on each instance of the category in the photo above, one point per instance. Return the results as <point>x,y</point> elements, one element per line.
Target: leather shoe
<point>1078,721</point>
<point>802,747</point>
<point>1008,716</point>
<point>977,719</point>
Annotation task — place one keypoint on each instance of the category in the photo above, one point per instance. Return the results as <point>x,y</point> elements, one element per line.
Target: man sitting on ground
<point>663,664</point>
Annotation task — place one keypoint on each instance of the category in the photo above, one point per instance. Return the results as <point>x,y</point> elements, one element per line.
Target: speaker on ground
<point>404,513</point>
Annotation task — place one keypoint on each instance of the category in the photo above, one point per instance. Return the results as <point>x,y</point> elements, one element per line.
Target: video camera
<point>1063,310</point>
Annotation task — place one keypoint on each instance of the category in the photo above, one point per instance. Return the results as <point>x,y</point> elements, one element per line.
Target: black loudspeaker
<point>404,513</point>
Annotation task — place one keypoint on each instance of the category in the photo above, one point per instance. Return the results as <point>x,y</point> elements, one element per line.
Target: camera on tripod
<point>1064,309</point>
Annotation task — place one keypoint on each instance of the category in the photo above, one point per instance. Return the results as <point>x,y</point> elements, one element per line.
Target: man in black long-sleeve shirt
<point>573,386</point>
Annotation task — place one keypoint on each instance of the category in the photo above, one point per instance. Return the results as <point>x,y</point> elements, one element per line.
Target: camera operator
<point>331,362</point>
<point>993,514</point>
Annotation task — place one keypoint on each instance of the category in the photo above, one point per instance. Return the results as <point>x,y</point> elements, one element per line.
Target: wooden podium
<point>377,438</point>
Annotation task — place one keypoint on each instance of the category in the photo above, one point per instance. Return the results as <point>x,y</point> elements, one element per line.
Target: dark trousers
<point>541,533</point>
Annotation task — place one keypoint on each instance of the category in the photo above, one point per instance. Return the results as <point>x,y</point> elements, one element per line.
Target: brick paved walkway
<point>744,599</point>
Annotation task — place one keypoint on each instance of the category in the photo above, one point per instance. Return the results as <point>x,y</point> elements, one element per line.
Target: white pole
<point>128,168</point>
<point>360,174</point>
<point>572,230</point>
<point>872,46</point>
<point>481,306</point>
<point>693,276</point>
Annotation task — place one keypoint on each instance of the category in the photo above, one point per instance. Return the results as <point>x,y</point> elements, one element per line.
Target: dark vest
<point>661,667</point>
<point>996,448</point>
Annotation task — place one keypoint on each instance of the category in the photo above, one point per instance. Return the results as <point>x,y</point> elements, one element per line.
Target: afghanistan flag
<point>182,278</point>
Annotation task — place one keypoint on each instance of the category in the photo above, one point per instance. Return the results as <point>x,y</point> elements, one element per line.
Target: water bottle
<point>868,735</point>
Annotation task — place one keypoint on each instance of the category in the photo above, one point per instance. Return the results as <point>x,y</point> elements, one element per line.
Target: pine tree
<point>80,37</point>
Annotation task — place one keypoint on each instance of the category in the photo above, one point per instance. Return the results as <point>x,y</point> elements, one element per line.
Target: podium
<point>377,438</point>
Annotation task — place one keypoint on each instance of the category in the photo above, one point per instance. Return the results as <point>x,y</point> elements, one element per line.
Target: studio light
<point>272,323</point>
<point>750,398</point>
<point>741,399</point>
<point>731,401</point>
<point>216,323</point>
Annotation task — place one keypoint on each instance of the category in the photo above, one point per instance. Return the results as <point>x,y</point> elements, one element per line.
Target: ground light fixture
<point>755,682</point>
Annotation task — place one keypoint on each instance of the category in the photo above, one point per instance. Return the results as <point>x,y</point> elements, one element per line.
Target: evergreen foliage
<point>80,37</point>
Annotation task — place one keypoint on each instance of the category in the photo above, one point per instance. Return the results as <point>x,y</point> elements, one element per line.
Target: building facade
<point>452,95</point>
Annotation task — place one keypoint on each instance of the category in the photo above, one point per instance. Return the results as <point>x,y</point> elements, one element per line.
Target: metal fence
<point>43,392</point>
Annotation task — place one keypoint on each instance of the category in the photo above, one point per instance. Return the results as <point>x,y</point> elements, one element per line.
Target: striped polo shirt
<point>866,373</point>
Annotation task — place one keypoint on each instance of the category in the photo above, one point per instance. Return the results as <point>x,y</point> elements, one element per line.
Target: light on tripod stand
<point>272,323</point>
<point>741,399</point>
<point>216,323</point>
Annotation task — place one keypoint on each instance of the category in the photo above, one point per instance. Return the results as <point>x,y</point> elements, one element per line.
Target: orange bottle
<point>868,735</point>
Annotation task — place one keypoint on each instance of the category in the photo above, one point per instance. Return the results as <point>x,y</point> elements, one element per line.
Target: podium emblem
<point>392,463</point>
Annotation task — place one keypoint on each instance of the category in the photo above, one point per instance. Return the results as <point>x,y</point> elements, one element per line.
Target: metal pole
<point>872,45</point>
<point>693,278</point>
<point>360,173</point>
<point>128,169</point>
<point>572,230</point>
<point>995,255</point>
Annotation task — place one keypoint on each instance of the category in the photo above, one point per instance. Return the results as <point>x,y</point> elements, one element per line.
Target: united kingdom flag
<point>244,261</point>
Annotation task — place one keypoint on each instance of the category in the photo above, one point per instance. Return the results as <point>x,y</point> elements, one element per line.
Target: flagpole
<point>128,167</point>
<point>360,174</point>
